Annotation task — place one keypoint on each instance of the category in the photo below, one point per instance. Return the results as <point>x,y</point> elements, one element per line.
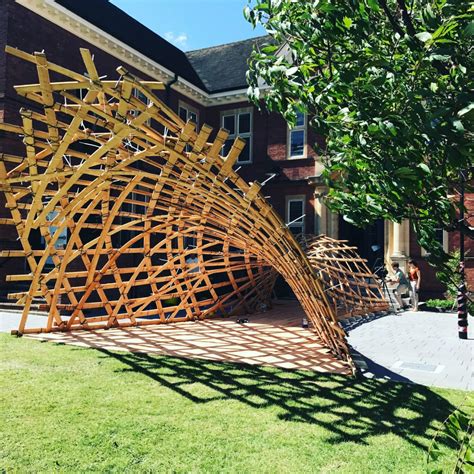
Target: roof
<point>216,69</point>
<point>222,68</point>
<point>117,23</point>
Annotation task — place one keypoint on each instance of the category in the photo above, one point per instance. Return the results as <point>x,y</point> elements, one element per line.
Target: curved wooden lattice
<point>349,283</point>
<point>156,218</point>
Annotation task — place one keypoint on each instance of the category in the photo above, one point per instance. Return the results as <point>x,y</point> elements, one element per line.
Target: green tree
<point>389,84</point>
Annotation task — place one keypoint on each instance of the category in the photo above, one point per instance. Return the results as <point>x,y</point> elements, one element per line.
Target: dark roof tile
<point>126,29</point>
<point>222,68</point>
<point>216,69</point>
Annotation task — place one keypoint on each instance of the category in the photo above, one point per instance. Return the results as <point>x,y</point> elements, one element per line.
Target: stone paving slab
<point>272,338</point>
<point>410,347</point>
<point>416,347</point>
<point>10,319</point>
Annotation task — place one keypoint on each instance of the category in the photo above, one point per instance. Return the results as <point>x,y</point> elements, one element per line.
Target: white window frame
<point>426,253</point>
<point>189,110</point>
<point>302,128</point>
<point>143,98</point>
<point>247,135</point>
<point>299,223</point>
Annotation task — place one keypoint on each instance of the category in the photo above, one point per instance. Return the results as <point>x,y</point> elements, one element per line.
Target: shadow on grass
<point>350,409</point>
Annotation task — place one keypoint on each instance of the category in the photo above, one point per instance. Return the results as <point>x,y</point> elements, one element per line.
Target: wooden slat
<point>157,226</point>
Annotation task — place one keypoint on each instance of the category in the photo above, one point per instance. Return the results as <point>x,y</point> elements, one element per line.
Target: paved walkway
<point>10,319</point>
<point>273,338</point>
<point>420,347</point>
<point>411,347</point>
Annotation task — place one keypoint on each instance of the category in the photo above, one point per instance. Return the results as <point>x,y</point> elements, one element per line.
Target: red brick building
<point>206,85</point>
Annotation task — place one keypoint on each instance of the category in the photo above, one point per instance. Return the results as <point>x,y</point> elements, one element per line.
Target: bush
<point>458,428</point>
<point>451,277</point>
<point>446,305</point>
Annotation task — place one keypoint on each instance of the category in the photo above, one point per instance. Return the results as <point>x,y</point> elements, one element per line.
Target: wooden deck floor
<point>271,338</point>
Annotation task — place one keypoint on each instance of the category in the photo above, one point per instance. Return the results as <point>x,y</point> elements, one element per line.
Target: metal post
<point>462,296</point>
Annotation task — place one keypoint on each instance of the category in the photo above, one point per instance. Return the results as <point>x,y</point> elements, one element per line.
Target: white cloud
<point>180,40</point>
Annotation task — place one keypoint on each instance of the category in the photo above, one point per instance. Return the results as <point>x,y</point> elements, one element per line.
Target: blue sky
<point>192,24</point>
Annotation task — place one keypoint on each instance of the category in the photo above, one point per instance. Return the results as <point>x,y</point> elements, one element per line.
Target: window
<point>239,124</point>
<point>186,112</point>
<point>61,241</point>
<point>442,237</point>
<point>297,138</point>
<point>142,98</point>
<point>295,214</point>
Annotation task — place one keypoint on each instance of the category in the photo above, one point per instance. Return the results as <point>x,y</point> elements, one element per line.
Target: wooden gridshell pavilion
<point>114,169</point>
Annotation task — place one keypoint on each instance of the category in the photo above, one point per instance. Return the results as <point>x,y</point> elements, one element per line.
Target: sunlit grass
<point>74,410</point>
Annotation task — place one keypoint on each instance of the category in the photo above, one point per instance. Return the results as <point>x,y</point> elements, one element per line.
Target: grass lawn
<point>70,409</point>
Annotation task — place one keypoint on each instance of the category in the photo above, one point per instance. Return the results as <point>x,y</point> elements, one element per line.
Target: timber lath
<point>141,219</point>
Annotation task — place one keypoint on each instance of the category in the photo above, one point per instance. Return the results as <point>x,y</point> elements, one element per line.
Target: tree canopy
<point>390,86</point>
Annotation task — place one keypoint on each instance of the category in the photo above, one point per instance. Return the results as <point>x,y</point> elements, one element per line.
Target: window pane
<point>192,116</point>
<point>295,211</point>
<point>229,123</point>
<point>245,153</point>
<point>189,242</point>
<point>244,123</point>
<point>227,146</point>
<point>296,229</point>
<point>183,114</point>
<point>141,96</point>
<point>299,119</point>
<point>439,236</point>
<point>297,143</point>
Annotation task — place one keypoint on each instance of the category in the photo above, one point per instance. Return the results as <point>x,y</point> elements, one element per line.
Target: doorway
<point>365,239</point>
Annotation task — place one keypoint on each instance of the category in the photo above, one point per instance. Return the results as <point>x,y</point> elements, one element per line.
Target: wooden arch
<point>159,225</point>
<point>350,285</point>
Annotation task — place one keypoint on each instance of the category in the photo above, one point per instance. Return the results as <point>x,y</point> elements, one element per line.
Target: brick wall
<point>21,28</point>
<point>431,287</point>
<point>269,155</point>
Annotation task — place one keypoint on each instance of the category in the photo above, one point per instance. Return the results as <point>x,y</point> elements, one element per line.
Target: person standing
<point>414,275</point>
<point>402,284</point>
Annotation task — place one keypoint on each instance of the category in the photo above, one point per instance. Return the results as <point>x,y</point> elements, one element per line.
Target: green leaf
<point>248,14</point>
<point>469,30</point>
<point>291,71</point>
<point>406,173</point>
<point>424,36</point>
<point>391,128</point>
<point>347,22</point>
<point>271,48</point>
<point>424,167</point>
<point>457,124</point>
<point>453,420</point>
<point>264,7</point>
<point>440,57</point>
<point>434,452</point>
<point>466,110</point>
<point>373,5</point>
